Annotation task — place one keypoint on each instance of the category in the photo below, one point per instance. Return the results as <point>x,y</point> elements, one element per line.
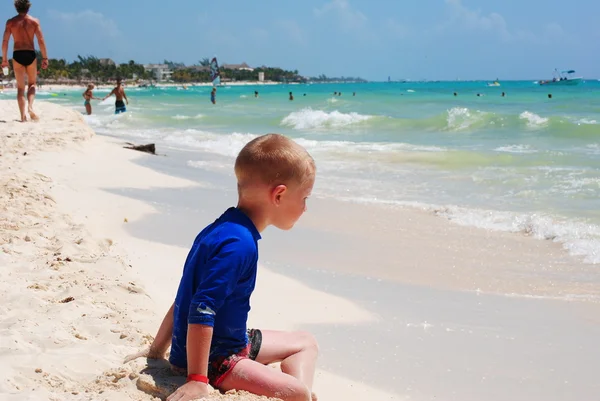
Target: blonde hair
<point>273,159</point>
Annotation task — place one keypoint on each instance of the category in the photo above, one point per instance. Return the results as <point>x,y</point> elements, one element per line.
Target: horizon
<point>435,40</point>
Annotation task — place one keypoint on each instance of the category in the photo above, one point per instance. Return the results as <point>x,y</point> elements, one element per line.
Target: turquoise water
<point>522,162</point>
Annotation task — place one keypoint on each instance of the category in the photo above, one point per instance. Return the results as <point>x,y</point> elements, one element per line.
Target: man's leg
<point>20,73</point>
<point>31,81</point>
<point>297,352</point>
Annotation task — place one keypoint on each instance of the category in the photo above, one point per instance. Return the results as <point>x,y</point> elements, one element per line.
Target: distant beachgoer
<point>304,94</point>
<point>119,93</point>
<point>335,93</point>
<point>455,94</point>
<point>88,95</point>
<point>503,94</point>
<point>291,96</point>
<point>213,96</point>
<point>353,93</point>
<point>549,95</point>
<point>339,93</point>
<point>23,29</point>
<point>255,93</point>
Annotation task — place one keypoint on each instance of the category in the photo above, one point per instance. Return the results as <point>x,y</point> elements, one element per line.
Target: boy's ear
<point>277,193</point>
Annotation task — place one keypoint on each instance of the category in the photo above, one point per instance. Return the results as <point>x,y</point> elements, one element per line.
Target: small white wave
<point>315,146</point>
<point>516,149</point>
<point>586,121</point>
<point>593,148</point>
<point>533,120</point>
<point>224,145</point>
<point>410,91</point>
<point>210,165</point>
<point>332,100</point>
<point>579,238</point>
<point>461,118</point>
<point>315,119</point>
<point>180,117</point>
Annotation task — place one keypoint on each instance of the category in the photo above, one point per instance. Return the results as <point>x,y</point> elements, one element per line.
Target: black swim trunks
<point>24,57</point>
<point>120,107</point>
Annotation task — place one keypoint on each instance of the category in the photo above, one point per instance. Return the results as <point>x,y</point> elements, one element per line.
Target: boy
<point>119,93</point>
<point>206,325</point>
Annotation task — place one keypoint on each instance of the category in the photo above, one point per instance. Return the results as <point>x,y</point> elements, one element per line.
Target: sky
<point>373,39</point>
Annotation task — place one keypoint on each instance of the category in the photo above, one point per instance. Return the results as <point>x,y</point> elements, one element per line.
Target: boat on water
<point>495,83</point>
<point>563,78</point>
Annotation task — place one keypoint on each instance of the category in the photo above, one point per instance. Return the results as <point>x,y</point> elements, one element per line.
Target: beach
<point>406,303</point>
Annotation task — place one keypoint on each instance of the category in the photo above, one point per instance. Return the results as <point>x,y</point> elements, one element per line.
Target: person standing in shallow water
<point>24,28</point>
<point>119,93</point>
<point>88,95</point>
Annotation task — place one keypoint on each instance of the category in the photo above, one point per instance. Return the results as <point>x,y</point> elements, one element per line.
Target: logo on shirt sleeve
<point>205,310</point>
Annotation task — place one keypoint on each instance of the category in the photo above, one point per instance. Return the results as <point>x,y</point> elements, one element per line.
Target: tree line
<point>93,69</point>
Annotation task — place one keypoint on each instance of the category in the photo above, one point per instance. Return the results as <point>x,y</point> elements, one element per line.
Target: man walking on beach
<point>23,29</point>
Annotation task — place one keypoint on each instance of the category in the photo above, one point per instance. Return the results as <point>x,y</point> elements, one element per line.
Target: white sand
<point>78,293</point>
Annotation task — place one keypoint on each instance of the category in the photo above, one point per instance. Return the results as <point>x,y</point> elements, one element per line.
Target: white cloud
<point>292,30</point>
<point>396,30</point>
<point>349,18</point>
<point>494,23</point>
<point>92,19</point>
<point>474,20</point>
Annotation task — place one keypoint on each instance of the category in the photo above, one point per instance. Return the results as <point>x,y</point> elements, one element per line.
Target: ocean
<point>521,163</point>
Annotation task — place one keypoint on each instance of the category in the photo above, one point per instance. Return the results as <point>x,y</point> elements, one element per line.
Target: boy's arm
<point>199,337</point>
<point>161,342</point>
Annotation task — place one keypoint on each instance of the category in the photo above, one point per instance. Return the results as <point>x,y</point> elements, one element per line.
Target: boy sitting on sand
<point>206,326</point>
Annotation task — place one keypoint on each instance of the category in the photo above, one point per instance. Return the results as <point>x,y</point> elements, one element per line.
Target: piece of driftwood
<point>148,148</point>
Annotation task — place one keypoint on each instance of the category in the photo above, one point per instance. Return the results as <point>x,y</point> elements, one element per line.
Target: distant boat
<point>495,83</point>
<point>563,78</point>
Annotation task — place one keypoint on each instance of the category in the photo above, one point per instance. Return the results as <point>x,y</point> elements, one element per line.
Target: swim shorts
<point>219,368</point>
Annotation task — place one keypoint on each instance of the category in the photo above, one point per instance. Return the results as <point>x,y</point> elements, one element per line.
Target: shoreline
<point>416,333</point>
<point>407,245</point>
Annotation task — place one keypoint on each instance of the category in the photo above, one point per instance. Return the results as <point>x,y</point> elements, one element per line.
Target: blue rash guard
<point>218,278</point>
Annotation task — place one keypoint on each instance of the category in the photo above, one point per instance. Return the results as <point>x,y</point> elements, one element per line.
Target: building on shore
<point>161,72</point>
<point>239,67</point>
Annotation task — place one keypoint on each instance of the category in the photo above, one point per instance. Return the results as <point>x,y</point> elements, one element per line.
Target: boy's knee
<point>298,392</point>
<point>308,341</point>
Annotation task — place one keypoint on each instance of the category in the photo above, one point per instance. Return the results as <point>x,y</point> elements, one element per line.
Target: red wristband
<point>197,378</point>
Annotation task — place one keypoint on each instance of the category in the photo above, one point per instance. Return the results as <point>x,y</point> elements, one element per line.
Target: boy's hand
<point>190,391</point>
<point>145,353</point>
